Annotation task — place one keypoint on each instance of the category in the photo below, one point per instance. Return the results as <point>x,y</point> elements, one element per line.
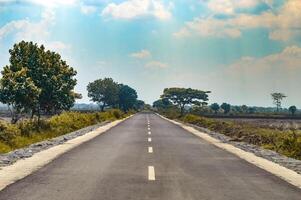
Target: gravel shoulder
<point>273,156</point>
<point>27,152</point>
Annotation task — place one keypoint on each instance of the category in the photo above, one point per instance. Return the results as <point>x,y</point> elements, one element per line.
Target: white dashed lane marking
<point>149,139</point>
<point>151,173</point>
<point>150,150</point>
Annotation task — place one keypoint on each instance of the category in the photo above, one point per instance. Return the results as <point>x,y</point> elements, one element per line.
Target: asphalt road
<point>168,163</point>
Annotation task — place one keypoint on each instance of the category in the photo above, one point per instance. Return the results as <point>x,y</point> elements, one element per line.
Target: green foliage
<point>292,109</point>
<point>226,107</point>
<point>8,132</point>
<point>214,107</point>
<point>36,80</point>
<point>24,133</point>
<point>139,105</point>
<point>104,92</point>
<point>162,104</point>
<point>127,97</point>
<point>185,96</point>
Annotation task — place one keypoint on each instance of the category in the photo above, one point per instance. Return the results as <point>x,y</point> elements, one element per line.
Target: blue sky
<point>240,50</point>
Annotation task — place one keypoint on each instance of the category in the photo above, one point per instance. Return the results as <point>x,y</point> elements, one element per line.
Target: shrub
<point>8,133</point>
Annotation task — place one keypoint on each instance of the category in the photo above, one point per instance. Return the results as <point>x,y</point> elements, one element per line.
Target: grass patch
<point>286,142</point>
<point>25,133</point>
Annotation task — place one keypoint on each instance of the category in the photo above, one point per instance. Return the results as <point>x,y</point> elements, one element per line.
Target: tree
<point>127,97</point>
<point>18,92</point>
<point>292,109</point>
<point>105,92</point>
<point>214,107</point>
<point>182,97</point>
<point>244,108</point>
<point>139,105</point>
<point>162,104</point>
<point>226,107</point>
<point>277,98</point>
<point>47,80</point>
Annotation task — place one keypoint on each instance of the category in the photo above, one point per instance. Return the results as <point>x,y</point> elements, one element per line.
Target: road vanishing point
<point>149,158</point>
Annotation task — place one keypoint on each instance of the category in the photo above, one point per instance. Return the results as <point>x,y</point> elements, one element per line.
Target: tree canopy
<point>185,96</point>
<point>214,107</point>
<point>226,107</point>
<point>127,97</point>
<point>105,92</point>
<point>36,80</point>
<point>292,109</point>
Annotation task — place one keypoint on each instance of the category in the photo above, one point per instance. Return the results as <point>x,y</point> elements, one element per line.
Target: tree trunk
<point>182,110</point>
<point>103,107</point>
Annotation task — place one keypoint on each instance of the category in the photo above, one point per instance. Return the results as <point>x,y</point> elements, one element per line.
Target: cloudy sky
<point>241,50</point>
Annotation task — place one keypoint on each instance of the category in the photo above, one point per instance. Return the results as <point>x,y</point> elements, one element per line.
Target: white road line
<point>149,133</point>
<point>150,150</point>
<point>151,173</point>
<point>149,139</point>
<point>148,128</point>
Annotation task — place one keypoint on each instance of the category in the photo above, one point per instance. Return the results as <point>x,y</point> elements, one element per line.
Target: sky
<point>241,50</point>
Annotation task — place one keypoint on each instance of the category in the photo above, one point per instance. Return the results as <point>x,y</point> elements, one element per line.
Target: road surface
<point>138,161</point>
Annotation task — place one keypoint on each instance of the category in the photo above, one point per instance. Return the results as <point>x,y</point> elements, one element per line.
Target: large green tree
<point>47,81</point>
<point>185,96</point>
<point>127,97</point>
<point>105,92</point>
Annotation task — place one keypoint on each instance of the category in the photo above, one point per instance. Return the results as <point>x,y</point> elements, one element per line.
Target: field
<point>282,124</point>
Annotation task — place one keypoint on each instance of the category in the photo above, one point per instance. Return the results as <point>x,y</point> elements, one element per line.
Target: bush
<point>8,133</point>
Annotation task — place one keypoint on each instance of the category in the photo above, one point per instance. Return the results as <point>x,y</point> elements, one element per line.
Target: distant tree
<point>244,108</point>
<point>105,92</point>
<point>292,109</point>
<point>251,110</point>
<point>226,107</point>
<point>162,104</point>
<point>139,105</point>
<point>37,81</point>
<point>127,97</point>
<point>185,96</point>
<point>214,107</point>
<point>277,98</point>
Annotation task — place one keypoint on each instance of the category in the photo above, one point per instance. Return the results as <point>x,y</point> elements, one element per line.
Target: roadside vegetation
<point>284,140</point>
<point>24,133</point>
<point>37,86</point>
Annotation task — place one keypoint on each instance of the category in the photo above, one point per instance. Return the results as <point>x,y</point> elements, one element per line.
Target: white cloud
<point>87,9</point>
<point>282,25</point>
<point>33,31</point>
<point>131,9</point>
<point>229,6</point>
<point>156,65</point>
<point>52,3</point>
<point>141,54</point>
